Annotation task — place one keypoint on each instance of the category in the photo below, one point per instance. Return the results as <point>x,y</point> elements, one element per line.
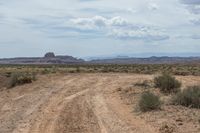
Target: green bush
<point>149,101</point>
<point>167,83</point>
<point>189,97</point>
<point>21,78</point>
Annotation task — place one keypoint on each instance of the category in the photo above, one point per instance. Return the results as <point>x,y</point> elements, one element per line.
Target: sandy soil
<point>77,103</point>
<point>3,81</point>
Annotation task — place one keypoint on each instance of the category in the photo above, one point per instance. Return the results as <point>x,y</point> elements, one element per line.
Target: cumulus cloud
<point>99,21</point>
<point>118,21</point>
<point>119,27</point>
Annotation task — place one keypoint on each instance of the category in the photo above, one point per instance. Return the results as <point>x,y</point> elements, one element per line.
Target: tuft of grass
<point>149,102</point>
<point>190,97</point>
<point>20,79</point>
<point>167,83</point>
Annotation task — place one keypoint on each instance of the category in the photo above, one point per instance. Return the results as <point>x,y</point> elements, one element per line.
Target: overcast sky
<point>98,27</point>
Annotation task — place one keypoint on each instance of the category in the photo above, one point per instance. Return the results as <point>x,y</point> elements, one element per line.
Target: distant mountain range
<point>51,58</point>
<point>141,55</point>
<point>149,60</point>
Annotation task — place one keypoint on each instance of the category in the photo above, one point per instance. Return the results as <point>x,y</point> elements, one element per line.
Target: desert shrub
<point>53,69</point>
<point>149,101</point>
<point>21,78</point>
<point>167,83</point>
<point>45,71</point>
<point>8,74</point>
<point>190,97</point>
<point>78,70</point>
<point>105,70</point>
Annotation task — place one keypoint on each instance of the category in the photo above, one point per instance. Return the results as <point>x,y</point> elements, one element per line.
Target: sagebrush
<point>149,101</point>
<point>167,83</point>
<point>189,97</point>
<point>21,78</point>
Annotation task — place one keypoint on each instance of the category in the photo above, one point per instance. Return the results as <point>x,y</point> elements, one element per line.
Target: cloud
<point>195,21</point>
<point>191,2</point>
<point>119,27</point>
<point>89,23</point>
<point>153,6</point>
<point>194,9</point>
<point>140,34</point>
<point>189,36</point>
<point>99,21</point>
<point>192,5</point>
<point>195,36</point>
<point>118,21</point>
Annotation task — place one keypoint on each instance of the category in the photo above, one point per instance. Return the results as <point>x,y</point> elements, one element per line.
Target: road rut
<point>73,103</point>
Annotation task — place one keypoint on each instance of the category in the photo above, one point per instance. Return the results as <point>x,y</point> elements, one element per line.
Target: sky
<point>88,28</point>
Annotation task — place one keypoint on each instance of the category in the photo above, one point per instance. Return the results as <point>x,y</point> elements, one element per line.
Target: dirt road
<point>74,103</point>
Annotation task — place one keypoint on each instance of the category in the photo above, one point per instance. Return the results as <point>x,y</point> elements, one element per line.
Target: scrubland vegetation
<point>164,97</point>
<point>165,82</point>
<point>168,84</point>
<point>167,101</point>
<point>175,69</point>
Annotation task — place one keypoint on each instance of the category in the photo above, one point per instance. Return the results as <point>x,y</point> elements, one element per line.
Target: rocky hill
<point>49,58</point>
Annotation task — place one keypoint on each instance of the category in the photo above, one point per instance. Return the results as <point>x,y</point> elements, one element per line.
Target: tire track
<point>83,103</point>
<point>56,103</point>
